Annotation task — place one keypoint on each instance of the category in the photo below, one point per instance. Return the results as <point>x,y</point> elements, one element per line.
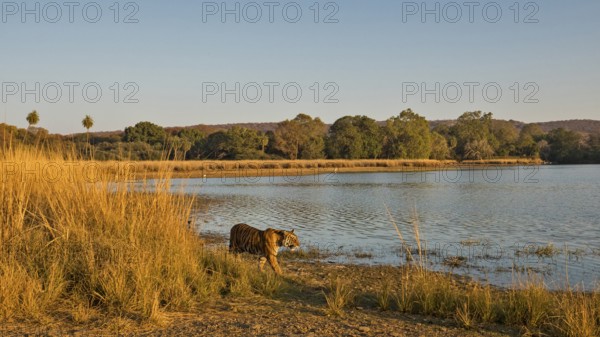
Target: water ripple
<point>561,208</point>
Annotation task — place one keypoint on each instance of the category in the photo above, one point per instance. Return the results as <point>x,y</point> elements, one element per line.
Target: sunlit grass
<point>260,168</point>
<point>528,304</point>
<point>82,239</point>
<point>338,296</point>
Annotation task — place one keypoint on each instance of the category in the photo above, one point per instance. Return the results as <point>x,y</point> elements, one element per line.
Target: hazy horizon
<point>170,59</point>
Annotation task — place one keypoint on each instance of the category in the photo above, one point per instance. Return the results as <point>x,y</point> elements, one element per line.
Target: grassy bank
<point>79,243</point>
<point>528,307</point>
<point>292,168</point>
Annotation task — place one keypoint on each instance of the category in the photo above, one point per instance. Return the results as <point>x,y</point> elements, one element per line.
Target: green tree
<point>235,143</point>
<point>534,130</point>
<point>344,140</point>
<point>243,143</point>
<point>593,144</point>
<point>528,144</point>
<point>474,137</point>
<point>145,132</point>
<point>193,141</point>
<point>215,146</point>
<point>271,148</point>
<point>506,134</point>
<point>141,151</point>
<point>444,129</point>
<point>301,138</point>
<point>356,137</point>
<point>439,147</point>
<point>193,135</point>
<point>175,146</point>
<point>478,149</point>
<point>407,136</point>
<point>564,147</point>
<point>372,137</point>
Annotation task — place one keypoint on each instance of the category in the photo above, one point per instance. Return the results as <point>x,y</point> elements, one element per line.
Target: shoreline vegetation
<point>79,258</point>
<point>474,135</point>
<point>294,168</point>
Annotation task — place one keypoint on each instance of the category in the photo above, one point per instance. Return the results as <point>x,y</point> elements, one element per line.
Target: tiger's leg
<point>261,263</point>
<point>232,245</point>
<point>273,262</point>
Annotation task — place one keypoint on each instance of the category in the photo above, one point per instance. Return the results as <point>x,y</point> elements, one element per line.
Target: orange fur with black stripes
<point>245,238</point>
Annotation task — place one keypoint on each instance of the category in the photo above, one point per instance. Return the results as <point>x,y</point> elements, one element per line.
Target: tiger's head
<point>290,240</point>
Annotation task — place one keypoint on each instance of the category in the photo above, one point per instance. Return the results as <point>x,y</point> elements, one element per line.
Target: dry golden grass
<point>505,161</point>
<point>529,305</point>
<point>261,168</point>
<point>339,296</point>
<point>82,240</point>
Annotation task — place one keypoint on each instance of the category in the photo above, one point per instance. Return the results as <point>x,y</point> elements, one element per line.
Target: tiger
<point>245,238</point>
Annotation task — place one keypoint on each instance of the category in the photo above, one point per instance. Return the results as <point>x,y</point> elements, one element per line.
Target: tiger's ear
<point>292,231</point>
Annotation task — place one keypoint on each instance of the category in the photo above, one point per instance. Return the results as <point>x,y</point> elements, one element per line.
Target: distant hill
<point>208,129</point>
<point>579,125</point>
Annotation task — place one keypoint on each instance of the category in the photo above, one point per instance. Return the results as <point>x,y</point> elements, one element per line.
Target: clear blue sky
<point>370,54</point>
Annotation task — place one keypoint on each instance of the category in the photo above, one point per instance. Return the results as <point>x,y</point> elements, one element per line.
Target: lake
<point>492,223</point>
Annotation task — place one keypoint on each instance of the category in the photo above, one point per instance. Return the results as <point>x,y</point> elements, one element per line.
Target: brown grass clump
<point>339,296</point>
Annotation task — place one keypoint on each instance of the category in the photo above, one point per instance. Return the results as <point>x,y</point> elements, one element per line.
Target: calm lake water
<point>492,223</point>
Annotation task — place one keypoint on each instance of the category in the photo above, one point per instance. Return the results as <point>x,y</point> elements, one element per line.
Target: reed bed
<point>250,168</point>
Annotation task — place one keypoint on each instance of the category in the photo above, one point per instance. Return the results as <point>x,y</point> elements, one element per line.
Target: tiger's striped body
<point>245,238</point>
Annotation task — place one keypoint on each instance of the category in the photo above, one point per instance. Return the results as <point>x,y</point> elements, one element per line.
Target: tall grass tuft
<point>464,316</point>
<point>579,315</point>
<point>384,295</point>
<point>339,295</point>
<point>530,305</point>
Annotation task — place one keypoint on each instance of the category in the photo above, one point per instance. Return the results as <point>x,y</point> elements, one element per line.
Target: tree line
<point>472,136</point>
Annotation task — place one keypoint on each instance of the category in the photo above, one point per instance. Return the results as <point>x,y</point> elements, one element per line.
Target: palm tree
<point>33,118</point>
<point>87,123</point>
